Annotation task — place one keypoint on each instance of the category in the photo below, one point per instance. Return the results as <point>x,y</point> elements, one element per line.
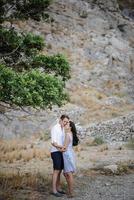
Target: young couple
<point>62,155</point>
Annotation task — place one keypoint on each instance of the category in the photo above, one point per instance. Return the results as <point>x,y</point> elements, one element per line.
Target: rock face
<point>98,40</point>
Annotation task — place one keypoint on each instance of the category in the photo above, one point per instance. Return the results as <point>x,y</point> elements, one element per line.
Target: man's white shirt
<point>57,135</point>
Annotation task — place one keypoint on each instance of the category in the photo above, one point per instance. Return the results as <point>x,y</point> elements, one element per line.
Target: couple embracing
<point>63,135</point>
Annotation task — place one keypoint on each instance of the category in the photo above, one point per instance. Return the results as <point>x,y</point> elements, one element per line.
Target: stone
<point>111,168</point>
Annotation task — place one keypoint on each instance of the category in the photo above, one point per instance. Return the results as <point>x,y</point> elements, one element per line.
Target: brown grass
<point>12,145</point>
<point>86,97</point>
<point>94,102</point>
<point>14,150</point>
<point>24,155</point>
<point>16,182</point>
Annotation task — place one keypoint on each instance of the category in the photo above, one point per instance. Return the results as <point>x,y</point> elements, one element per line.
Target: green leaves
<point>17,50</point>
<point>33,41</point>
<point>56,64</point>
<point>9,40</point>
<point>32,88</point>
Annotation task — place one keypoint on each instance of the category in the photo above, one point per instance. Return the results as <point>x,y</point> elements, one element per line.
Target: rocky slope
<point>98,40</point>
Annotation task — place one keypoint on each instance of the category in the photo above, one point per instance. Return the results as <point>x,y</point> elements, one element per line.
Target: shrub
<point>9,40</point>
<point>122,168</point>
<point>98,141</point>
<point>33,42</point>
<point>130,144</point>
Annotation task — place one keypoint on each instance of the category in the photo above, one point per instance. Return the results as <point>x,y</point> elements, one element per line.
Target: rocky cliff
<point>98,39</point>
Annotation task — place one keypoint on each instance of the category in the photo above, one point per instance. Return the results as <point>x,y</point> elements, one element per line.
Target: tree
<point>28,78</point>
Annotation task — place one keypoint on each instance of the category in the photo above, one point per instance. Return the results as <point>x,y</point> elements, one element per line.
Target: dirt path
<point>103,188</point>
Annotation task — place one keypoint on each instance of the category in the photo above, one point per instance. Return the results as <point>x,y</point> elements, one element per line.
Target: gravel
<point>104,188</point>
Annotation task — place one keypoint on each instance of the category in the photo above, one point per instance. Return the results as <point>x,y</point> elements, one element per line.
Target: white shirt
<point>57,135</point>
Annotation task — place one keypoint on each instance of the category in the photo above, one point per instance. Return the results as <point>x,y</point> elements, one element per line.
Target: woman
<point>69,156</point>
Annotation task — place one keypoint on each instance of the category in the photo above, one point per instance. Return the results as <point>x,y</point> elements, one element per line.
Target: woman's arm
<point>66,141</point>
<point>56,145</point>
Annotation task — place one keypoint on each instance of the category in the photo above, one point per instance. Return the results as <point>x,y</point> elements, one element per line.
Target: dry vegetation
<point>14,183</point>
<point>15,154</point>
<point>130,144</point>
<point>26,166</point>
<point>11,151</point>
<point>94,103</point>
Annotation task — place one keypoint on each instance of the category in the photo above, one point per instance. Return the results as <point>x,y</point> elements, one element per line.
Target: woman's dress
<point>69,157</point>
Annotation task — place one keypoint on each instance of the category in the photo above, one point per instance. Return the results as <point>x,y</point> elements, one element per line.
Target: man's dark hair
<point>64,116</point>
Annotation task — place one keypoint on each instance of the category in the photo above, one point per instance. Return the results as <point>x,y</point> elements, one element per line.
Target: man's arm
<point>54,139</point>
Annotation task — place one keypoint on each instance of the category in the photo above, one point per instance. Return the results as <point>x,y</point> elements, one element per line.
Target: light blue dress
<point>69,157</point>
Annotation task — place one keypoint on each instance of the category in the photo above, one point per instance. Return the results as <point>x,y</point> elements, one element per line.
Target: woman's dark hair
<point>64,116</point>
<point>74,132</point>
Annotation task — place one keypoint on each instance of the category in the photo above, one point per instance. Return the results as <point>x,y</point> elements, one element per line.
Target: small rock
<point>112,168</point>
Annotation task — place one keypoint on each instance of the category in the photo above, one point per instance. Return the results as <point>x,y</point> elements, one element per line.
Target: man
<point>57,139</point>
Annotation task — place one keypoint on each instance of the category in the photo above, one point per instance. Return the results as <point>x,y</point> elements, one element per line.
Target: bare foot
<point>70,195</point>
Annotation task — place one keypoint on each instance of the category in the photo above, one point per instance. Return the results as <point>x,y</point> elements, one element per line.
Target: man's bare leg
<point>58,184</point>
<point>55,180</point>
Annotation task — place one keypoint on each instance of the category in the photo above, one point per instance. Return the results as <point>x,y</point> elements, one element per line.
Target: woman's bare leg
<point>70,182</point>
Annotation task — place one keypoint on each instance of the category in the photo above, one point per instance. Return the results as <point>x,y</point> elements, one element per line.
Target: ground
<point>102,171</point>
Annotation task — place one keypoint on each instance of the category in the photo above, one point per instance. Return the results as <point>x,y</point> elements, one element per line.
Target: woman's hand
<point>63,149</point>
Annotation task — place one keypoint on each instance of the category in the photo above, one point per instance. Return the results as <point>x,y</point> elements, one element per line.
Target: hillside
<point>97,38</point>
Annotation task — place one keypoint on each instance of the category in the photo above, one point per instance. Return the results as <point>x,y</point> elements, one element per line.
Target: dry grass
<point>94,102</point>
<point>86,97</point>
<point>14,150</point>
<point>12,145</point>
<point>24,169</point>
<point>11,184</point>
<point>101,113</point>
<point>24,155</point>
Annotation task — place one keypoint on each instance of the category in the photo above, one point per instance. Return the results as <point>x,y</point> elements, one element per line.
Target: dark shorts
<point>58,163</point>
